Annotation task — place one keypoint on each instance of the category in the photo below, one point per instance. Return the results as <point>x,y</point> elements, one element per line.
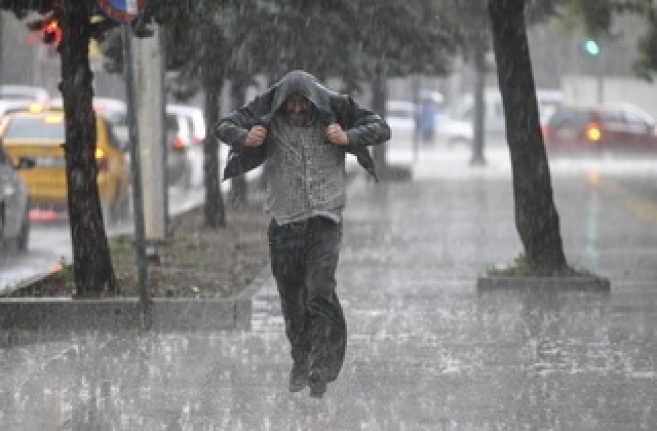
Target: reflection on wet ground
<point>425,350</point>
<point>497,361</point>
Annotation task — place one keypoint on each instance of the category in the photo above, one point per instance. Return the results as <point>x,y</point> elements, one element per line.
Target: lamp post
<point>125,13</point>
<point>592,48</point>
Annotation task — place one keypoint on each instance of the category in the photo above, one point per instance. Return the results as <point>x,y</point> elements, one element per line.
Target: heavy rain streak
<point>328,215</point>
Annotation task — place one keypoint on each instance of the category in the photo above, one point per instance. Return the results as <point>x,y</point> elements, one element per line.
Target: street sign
<point>122,10</point>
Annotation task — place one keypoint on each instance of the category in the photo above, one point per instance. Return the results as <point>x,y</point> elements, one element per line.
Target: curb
<point>561,284</point>
<point>45,315</point>
<point>60,315</point>
<point>56,315</point>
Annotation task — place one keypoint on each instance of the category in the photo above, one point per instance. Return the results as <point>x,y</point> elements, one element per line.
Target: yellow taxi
<point>39,134</point>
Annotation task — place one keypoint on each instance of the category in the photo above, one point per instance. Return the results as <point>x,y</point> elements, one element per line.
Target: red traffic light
<point>48,27</point>
<point>52,32</point>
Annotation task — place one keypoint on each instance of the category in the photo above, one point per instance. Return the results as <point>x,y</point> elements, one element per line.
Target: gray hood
<point>301,82</point>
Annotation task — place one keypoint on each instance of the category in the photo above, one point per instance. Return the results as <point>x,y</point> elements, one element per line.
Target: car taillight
<point>593,132</point>
<point>544,131</point>
<point>177,144</point>
<point>197,140</point>
<point>101,159</point>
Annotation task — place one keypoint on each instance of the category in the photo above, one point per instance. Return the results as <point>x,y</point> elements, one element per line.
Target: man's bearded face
<point>297,108</point>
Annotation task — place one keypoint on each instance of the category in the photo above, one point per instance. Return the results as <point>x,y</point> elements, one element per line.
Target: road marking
<point>641,207</point>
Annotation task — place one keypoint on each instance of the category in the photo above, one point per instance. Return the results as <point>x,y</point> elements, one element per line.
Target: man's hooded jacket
<point>364,128</point>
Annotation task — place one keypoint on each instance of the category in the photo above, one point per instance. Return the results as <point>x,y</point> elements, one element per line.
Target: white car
<point>400,116</point>
<point>191,132</point>
<point>194,122</point>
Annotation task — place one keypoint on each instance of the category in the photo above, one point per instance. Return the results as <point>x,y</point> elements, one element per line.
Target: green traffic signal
<point>592,47</point>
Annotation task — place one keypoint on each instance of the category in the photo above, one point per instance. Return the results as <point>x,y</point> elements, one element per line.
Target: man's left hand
<point>336,135</point>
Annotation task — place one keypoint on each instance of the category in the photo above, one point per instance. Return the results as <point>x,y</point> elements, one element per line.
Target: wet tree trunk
<point>537,220</point>
<point>92,265</point>
<point>379,96</point>
<point>239,187</point>
<point>213,80</point>
<point>478,139</point>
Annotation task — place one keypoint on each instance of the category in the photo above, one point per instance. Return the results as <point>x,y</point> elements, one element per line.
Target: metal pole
<point>601,77</point>
<point>142,263</point>
<point>2,38</point>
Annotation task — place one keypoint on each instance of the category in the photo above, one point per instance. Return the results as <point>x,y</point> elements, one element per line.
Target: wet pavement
<point>425,350</point>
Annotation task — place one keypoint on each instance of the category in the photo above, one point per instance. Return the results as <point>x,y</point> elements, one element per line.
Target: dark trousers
<point>304,258</point>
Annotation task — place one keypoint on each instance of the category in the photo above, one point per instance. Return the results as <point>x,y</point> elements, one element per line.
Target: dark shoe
<point>317,384</point>
<point>298,377</point>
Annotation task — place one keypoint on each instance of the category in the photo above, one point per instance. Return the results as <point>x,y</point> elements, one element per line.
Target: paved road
<point>426,351</point>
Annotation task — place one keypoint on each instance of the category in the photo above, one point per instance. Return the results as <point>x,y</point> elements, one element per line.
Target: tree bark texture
<point>239,188</point>
<point>478,120</point>
<point>92,264</point>
<point>213,78</point>
<point>379,97</point>
<point>537,220</point>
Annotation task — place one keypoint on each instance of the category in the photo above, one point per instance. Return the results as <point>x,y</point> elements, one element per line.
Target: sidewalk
<point>425,351</point>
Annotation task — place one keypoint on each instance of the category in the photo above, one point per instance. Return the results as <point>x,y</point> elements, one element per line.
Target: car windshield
<point>35,128</point>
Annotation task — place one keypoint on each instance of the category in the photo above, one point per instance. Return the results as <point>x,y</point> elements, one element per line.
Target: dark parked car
<point>601,129</point>
<point>14,204</point>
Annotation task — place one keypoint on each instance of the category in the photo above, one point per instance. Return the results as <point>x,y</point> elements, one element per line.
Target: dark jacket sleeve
<point>233,128</point>
<point>363,127</point>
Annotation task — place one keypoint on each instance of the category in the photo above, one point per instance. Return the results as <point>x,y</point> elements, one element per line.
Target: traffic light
<point>52,32</point>
<point>49,27</point>
<point>592,47</point>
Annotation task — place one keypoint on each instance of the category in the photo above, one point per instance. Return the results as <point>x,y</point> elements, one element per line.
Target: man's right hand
<point>256,136</point>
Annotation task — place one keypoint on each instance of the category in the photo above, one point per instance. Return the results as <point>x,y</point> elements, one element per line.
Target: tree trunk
<point>239,187</point>
<point>92,265</point>
<point>537,220</point>
<point>213,79</point>
<point>379,96</point>
<point>478,119</point>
